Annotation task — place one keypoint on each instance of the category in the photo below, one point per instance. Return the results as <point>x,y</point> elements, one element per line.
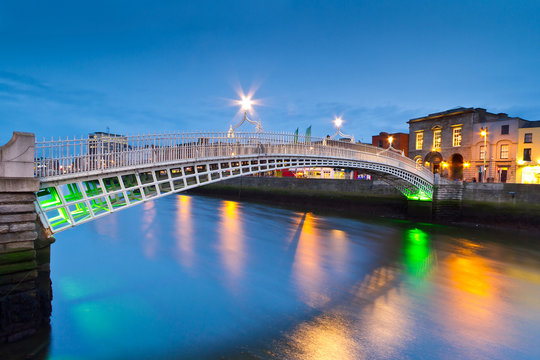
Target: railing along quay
<point>70,158</point>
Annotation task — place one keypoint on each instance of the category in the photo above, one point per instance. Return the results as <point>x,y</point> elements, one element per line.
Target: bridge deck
<point>87,178</point>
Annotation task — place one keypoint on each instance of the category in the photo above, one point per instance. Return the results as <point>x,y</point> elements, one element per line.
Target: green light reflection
<point>418,258</point>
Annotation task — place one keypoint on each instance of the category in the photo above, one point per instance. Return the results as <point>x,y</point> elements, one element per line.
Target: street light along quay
<point>484,134</point>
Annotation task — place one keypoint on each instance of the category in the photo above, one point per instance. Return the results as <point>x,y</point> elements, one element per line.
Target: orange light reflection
<point>307,269</point>
<point>184,231</point>
<point>231,239</point>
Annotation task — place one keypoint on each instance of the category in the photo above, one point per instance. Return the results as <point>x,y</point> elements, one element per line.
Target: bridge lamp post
<point>390,140</point>
<point>246,104</point>
<point>484,134</point>
<point>338,121</point>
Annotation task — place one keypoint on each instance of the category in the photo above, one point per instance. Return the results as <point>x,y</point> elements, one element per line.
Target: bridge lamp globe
<point>390,140</point>
<point>246,103</point>
<point>338,121</point>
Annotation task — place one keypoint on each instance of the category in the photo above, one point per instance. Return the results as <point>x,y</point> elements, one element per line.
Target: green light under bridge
<point>419,195</point>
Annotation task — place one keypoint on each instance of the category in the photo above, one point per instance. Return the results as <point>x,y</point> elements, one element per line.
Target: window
<point>482,152</point>
<point>456,139</point>
<point>527,154</point>
<point>380,143</point>
<point>419,140</point>
<point>436,139</point>
<point>505,129</point>
<point>504,151</point>
<point>528,138</point>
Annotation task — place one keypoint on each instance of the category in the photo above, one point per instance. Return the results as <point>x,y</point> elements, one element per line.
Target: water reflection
<point>476,311</point>
<point>150,240</point>
<point>417,255</point>
<point>231,245</point>
<point>326,337</point>
<point>313,287</point>
<point>339,249</point>
<point>184,231</point>
<point>307,271</point>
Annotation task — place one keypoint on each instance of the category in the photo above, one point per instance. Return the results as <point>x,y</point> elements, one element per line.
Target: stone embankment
<point>351,196</point>
<point>514,206</point>
<point>25,285</point>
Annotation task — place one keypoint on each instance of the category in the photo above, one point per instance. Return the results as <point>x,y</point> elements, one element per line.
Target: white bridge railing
<point>104,153</point>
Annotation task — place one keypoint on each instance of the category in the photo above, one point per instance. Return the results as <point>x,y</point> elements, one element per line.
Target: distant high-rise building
<point>103,143</point>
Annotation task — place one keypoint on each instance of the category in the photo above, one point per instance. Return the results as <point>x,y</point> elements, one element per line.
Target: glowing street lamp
<point>484,134</point>
<point>390,140</point>
<point>246,103</point>
<point>338,121</point>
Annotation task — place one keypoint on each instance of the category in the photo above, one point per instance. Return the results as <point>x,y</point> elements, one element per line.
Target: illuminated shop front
<point>530,174</point>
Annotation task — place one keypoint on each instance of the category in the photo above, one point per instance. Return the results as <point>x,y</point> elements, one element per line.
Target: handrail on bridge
<point>108,152</point>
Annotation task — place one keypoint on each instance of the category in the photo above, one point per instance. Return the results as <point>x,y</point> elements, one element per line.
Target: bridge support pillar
<point>25,285</point>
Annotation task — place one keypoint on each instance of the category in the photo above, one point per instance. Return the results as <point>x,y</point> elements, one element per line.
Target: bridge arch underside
<point>68,202</point>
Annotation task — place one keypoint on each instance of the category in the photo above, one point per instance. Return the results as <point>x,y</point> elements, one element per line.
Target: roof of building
<point>531,124</point>
<point>487,116</point>
<point>450,112</point>
<point>101,133</point>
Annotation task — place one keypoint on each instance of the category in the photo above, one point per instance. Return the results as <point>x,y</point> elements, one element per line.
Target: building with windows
<point>528,153</point>
<point>400,141</point>
<point>468,144</point>
<point>103,143</point>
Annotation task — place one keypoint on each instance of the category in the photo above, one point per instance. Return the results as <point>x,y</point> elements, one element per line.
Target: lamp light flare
<point>246,103</point>
<point>338,121</point>
<point>390,139</point>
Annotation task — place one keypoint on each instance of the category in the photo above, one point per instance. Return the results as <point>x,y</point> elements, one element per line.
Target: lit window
<point>437,139</point>
<point>457,137</point>
<point>526,154</point>
<point>528,138</point>
<point>482,152</point>
<point>504,151</point>
<point>419,140</point>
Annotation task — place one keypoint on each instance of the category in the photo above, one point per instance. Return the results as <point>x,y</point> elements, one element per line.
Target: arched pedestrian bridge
<point>81,179</point>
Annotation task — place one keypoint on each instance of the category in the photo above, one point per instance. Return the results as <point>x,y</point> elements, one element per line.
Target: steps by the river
<point>447,200</point>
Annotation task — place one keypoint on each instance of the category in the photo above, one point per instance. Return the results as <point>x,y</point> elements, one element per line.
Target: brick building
<point>452,143</point>
<point>400,141</point>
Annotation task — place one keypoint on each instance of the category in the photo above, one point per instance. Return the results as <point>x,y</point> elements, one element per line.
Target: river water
<point>201,278</point>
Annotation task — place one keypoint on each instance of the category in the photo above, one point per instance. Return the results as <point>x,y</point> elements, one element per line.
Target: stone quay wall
<point>351,196</point>
<point>482,204</point>
<point>25,284</point>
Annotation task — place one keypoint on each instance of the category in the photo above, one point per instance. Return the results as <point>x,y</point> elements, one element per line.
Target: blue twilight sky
<point>73,67</point>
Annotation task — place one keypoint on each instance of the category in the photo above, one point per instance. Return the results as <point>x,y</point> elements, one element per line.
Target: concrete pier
<point>25,285</point>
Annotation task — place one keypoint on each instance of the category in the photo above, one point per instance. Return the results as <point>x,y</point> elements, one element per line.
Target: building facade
<point>469,144</point>
<point>400,141</point>
<point>103,143</point>
<point>528,154</point>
